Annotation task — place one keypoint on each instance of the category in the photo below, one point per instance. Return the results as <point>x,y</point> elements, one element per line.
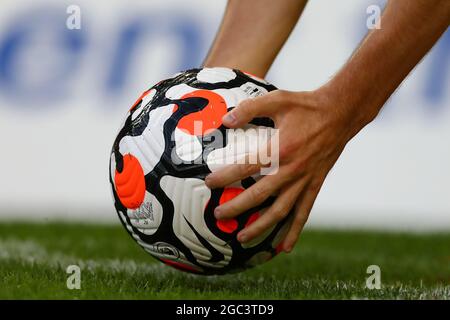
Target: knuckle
<point>246,170</point>
<point>258,193</point>
<point>278,94</point>
<point>244,106</point>
<point>283,152</point>
<point>284,96</point>
<point>299,166</point>
<point>279,213</point>
<point>287,149</point>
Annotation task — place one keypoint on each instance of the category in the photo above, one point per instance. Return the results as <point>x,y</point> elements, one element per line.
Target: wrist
<point>353,107</point>
<point>254,67</point>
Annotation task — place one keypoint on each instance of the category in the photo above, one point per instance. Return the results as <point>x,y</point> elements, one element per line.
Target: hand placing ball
<point>172,138</point>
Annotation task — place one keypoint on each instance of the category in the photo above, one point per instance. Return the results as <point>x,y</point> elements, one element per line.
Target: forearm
<point>252,33</point>
<point>408,31</point>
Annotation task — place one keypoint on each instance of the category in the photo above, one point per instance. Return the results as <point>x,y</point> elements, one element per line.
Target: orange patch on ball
<point>203,121</point>
<point>228,225</point>
<point>229,193</point>
<point>130,183</point>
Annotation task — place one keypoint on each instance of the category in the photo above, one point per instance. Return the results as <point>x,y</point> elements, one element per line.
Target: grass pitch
<point>324,265</point>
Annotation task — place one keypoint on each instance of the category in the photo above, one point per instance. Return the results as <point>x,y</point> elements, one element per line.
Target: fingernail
<point>288,249</point>
<point>230,118</point>
<point>217,213</point>
<point>242,237</point>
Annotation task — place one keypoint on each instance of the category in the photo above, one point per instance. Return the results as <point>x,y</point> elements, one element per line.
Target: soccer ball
<point>164,150</point>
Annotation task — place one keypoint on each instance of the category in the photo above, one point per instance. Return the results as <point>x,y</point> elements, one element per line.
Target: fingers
<point>230,174</point>
<point>239,170</point>
<point>301,215</point>
<point>251,197</point>
<point>251,108</point>
<point>274,214</point>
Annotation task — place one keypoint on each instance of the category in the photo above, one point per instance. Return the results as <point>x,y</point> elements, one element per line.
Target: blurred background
<point>63,94</point>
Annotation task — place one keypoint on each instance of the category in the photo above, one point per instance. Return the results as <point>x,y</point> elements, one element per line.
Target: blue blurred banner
<point>41,60</point>
<point>63,93</point>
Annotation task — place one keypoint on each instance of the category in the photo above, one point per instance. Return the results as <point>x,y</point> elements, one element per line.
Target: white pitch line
<point>32,253</point>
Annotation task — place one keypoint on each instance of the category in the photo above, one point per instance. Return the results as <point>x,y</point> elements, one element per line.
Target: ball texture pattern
<point>171,139</point>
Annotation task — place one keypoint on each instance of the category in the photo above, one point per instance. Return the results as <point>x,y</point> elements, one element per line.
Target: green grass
<point>324,265</point>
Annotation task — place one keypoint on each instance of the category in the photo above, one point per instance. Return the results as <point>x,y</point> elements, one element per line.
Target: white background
<point>55,149</point>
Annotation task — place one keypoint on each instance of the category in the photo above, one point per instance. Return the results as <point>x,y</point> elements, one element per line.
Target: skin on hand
<point>315,126</point>
<point>311,140</point>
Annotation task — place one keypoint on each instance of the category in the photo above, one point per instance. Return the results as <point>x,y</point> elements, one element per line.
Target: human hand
<point>313,131</point>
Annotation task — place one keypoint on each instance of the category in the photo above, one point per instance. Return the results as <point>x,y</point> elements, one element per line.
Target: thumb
<point>248,109</point>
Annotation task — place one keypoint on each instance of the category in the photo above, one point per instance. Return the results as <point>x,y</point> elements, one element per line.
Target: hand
<point>312,135</point>
<point>314,126</point>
